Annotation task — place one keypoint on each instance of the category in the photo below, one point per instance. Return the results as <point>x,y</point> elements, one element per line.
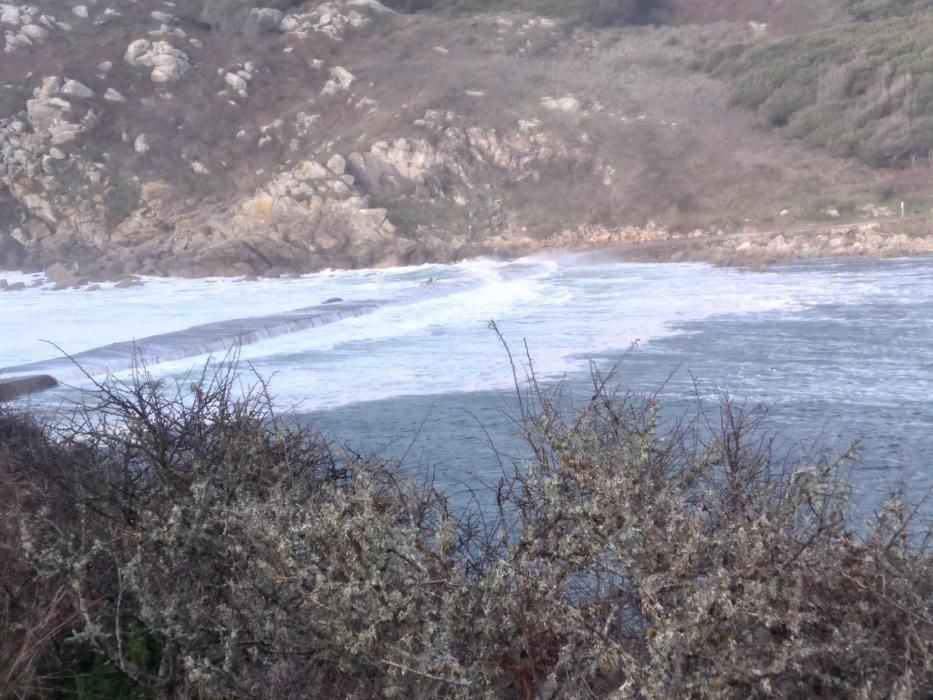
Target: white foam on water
<point>402,344</point>
<point>77,321</point>
<point>17,276</point>
<point>426,339</point>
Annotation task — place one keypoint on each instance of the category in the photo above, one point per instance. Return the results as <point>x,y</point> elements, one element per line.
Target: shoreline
<point>912,237</point>
<point>860,239</point>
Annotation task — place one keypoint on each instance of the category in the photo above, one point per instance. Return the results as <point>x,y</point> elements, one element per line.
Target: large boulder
<point>167,63</point>
<point>75,88</point>
<point>43,112</point>
<point>266,18</point>
<point>62,276</point>
<point>53,117</point>
<point>35,32</point>
<point>340,80</point>
<point>9,14</point>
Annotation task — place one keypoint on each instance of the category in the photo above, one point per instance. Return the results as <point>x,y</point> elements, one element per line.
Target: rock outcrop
<point>333,19</point>
<point>82,217</point>
<point>168,64</point>
<point>25,26</point>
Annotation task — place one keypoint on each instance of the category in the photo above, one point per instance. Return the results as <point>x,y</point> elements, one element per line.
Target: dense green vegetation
<point>191,544</point>
<point>595,12</point>
<point>863,89</point>
<point>878,9</point>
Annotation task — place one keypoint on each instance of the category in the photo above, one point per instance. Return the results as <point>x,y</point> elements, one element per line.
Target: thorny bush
<point>198,545</point>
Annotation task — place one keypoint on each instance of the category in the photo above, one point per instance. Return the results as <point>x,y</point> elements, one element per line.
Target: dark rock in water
<point>15,287</point>
<point>332,300</point>
<point>11,389</point>
<point>429,280</point>
<point>63,277</point>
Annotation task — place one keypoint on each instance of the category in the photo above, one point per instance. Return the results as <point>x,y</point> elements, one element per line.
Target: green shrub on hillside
<point>879,9</point>
<point>862,89</point>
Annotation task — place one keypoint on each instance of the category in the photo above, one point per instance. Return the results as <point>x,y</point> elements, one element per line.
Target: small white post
<point>903,213</point>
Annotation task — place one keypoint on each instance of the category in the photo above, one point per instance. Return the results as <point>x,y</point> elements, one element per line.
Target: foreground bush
<point>190,543</point>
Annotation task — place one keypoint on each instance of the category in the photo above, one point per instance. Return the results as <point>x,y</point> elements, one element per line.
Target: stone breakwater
<point>11,389</point>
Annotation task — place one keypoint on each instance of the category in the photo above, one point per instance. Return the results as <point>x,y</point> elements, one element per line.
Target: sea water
<point>403,361</point>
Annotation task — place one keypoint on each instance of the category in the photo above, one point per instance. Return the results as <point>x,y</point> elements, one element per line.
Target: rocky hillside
<point>137,136</point>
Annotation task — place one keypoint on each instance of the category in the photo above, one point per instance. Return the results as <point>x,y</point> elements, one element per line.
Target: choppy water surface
<point>406,363</point>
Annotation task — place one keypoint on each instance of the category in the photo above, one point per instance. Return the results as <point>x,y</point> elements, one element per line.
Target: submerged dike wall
<point>11,389</point>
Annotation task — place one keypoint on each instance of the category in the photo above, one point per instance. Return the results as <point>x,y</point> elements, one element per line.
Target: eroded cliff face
<point>133,155</point>
<point>140,141</point>
<point>145,137</point>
